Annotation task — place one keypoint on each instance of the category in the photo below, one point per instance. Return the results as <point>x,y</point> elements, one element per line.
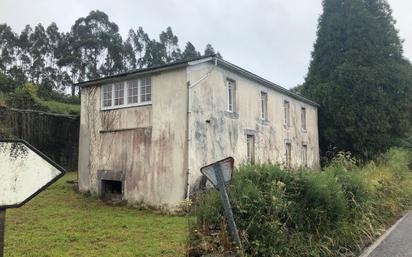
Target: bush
<point>308,213</point>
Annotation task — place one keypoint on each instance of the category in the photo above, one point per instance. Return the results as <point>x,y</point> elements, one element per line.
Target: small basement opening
<point>112,190</point>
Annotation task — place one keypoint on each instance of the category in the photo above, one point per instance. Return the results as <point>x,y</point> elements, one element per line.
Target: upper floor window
<point>107,95</point>
<point>263,105</point>
<point>231,95</point>
<point>127,93</point>
<point>303,118</point>
<point>119,93</point>
<point>133,91</point>
<point>286,107</point>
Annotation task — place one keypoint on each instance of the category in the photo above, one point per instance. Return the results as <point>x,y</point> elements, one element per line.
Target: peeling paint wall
<point>146,143</point>
<point>216,133</point>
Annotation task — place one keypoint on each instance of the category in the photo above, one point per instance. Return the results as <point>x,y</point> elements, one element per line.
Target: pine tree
<point>360,79</point>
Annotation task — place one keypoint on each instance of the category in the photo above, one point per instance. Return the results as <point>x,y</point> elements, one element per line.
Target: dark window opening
<point>112,190</point>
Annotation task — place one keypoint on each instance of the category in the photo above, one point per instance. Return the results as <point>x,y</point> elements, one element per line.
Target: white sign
<point>226,167</point>
<point>24,172</point>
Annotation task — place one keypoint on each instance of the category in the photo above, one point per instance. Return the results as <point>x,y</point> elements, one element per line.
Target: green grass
<point>58,107</point>
<point>61,222</point>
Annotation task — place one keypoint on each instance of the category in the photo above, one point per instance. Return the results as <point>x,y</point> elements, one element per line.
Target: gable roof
<point>183,63</point>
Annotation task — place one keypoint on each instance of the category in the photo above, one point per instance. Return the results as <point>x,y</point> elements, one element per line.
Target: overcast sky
<point>272,38</point>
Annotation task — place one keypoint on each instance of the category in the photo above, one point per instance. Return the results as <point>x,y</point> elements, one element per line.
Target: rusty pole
<point>2,228</point>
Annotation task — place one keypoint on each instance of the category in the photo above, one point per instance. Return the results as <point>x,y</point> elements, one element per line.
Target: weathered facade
<point>151,130</point>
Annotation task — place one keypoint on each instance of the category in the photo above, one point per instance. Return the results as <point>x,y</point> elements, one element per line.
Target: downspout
<point>188,131</point>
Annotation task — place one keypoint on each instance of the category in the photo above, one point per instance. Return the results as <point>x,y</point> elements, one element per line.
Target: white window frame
<point>286,112</point>
<point>125,95</point>
<point>264,105</point>
<point>288,154</point>
<point>303,118</point>
<point>231,95</point>
<point>304,155</point>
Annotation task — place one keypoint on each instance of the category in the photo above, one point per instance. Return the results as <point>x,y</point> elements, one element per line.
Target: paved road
<point>399,241</point>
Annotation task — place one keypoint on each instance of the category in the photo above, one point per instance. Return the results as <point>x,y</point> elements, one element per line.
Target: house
<point>145,134</point>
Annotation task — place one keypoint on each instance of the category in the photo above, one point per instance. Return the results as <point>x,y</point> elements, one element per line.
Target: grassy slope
<point>60,222</point>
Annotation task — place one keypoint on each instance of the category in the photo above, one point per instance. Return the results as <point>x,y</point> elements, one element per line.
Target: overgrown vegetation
<point>335,212</point>
<point>29,96</point>
<point>61,222</point>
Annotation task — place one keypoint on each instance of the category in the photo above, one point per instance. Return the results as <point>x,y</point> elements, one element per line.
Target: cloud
<point>273,39</point>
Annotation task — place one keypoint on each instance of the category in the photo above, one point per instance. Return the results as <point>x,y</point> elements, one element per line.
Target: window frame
<point>286,113</point>
<point>264,105</point>
<point>288,154</point>
<point>303,118</point>
<point>230,95</point>
<point>305,155</point>
<point>125,85</point>
<point>250,148</point>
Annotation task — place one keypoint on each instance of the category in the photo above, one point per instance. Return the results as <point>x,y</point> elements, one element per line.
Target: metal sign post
<point>220,174</point>
<point>24,173</point>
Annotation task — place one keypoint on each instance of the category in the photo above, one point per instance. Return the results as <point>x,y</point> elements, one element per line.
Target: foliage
<point>92,48</point>
<point>335,212</point>
<point>61,222</point>
<point>359,78</point>
<point>27,97</point>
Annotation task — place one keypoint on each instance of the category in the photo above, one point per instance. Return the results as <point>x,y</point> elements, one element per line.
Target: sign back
<point>225,166</point>
<point>24,172</point>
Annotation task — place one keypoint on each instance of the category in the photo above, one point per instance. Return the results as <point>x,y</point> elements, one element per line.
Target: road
<point>397,242</point>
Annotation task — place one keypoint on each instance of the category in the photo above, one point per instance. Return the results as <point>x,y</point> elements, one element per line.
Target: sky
<point>271,38</point>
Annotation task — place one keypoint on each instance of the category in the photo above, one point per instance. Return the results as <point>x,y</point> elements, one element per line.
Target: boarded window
<point>305,155</point>
<point>250,141</point>
<point>263,105</point>
<point>231,95</point>
<point>286,107</point>
<point>288,154</point>
<point>303,117</point>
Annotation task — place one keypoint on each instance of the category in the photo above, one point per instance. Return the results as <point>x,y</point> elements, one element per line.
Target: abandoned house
<point>145,134</point>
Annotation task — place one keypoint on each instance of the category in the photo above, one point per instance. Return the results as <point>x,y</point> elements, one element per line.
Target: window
<point>264,105</point>
<point>286,107</point>
<point>133,92</point>
<point>305,156</point>
<point>145,90</point>
<point>107,95</point>
<point>288,154</point>
<point>250,144</point>
<point>231,95</point>
<point>303,118</point>
<point>119,94</point>
<point>127,93</point>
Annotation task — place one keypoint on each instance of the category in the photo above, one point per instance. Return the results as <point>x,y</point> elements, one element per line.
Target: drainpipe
<point>188,131</point>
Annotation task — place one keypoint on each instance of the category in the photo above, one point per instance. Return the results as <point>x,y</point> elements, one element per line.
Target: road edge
<point>372,247</point>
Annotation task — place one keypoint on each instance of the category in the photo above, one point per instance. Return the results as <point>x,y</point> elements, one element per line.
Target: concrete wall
<point>216,134</point>
<point>147,143</point>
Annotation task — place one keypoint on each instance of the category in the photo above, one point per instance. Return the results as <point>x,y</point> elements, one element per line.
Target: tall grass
<point>335,212</point>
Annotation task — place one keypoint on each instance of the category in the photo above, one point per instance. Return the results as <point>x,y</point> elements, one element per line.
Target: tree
<point>155,54</point>
<point>190,51</point>
<point>8,44</point>
<point>360,79</point>
<point>39,48</point>
<point>170,42</point>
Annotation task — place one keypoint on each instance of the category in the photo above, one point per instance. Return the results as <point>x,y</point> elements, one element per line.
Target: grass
<point>58,107</point>
<point>61,222</point>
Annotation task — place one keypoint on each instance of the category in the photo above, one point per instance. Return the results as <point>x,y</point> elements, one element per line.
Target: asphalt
<point>397,242</point>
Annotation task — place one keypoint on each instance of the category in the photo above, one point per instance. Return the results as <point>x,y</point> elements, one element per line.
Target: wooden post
<point>2,228</point>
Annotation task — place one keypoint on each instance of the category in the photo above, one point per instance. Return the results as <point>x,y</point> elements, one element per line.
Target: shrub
<point>334,212</point>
